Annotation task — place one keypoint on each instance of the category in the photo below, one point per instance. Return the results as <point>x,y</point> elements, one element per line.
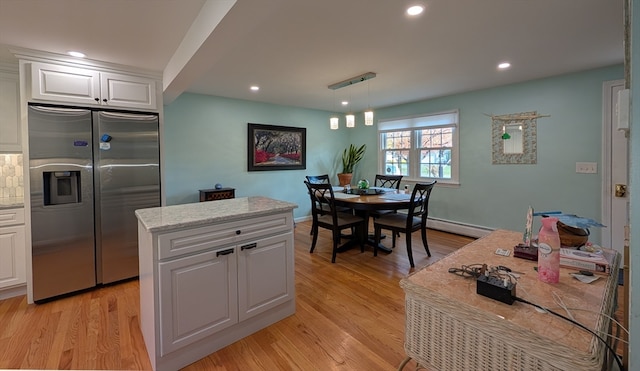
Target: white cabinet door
<point>265,275</point>
<point>198,297</point>
<point>12,256</point>
<point>127,91</point>
<point>11,138</point>
<point>64,84</point>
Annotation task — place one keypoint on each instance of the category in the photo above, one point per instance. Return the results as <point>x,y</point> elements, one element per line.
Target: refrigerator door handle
<point>58,109</point>
<point>127,116</point>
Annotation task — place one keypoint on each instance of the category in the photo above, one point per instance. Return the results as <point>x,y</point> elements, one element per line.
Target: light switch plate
<point>586,167</point>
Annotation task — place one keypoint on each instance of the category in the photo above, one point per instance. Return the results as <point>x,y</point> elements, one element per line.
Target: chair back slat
<point>322,200</point>
<point>319,179</point>
<point>388,181</point>
<point>420,201</point>
<point>315,179</point>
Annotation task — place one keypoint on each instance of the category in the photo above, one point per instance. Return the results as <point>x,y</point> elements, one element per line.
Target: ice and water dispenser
<point>61,187</point>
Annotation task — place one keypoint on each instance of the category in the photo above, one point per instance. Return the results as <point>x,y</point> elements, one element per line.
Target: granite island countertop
<point>166,218</point>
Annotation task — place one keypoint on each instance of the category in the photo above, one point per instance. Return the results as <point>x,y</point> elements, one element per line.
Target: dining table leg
<point>369,238</point>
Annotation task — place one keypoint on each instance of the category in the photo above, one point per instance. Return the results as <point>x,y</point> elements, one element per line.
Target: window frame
<point>415,123</point>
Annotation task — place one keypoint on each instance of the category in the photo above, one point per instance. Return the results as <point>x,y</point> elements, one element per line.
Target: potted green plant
<point>350,157</point>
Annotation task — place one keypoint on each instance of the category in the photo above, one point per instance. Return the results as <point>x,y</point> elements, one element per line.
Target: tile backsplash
<point>11,175</point>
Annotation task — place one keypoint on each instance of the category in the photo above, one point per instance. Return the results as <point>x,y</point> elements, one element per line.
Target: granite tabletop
<point>158,219</point>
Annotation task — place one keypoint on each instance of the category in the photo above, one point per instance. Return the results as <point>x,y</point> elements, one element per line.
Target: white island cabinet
<point>212,273</point>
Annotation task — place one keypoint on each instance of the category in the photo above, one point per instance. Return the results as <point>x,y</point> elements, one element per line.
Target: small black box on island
<point>526,252</point>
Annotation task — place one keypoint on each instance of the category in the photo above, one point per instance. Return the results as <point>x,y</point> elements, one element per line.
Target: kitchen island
<point>450,326</point>
<point>212,273</point>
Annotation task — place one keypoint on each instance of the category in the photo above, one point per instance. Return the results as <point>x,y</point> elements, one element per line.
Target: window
<point>421,148</point>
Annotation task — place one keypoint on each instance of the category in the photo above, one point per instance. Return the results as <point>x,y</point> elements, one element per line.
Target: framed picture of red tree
<point>273,147</point>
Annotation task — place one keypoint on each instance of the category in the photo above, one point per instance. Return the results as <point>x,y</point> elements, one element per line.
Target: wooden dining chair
<point>324,179</point>
<point>415,219</point>
<point>325,214</point>
<point>318,179</point>
<point>386,181</point>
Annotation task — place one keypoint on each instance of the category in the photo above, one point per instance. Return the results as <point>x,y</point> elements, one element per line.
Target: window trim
<point>414,123</point>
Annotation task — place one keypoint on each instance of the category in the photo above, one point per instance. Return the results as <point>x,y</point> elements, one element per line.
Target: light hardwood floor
<point>349,315</point>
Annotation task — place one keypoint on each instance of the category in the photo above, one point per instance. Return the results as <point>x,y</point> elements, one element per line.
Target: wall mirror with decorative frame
<point>514,138</point>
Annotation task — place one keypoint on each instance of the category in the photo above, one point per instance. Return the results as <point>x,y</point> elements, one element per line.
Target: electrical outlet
<point>586,167</point>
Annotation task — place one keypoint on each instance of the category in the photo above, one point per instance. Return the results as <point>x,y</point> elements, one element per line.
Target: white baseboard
<point>458,228</point>
<point>302,219</point>
<point>13,291</point>
<point>463,229</point>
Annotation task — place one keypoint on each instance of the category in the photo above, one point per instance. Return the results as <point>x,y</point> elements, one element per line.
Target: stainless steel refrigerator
<point>89,171</point>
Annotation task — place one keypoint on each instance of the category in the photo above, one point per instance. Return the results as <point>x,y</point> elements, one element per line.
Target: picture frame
<point>274,147</point>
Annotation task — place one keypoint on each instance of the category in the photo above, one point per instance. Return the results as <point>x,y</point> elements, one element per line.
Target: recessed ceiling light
<point>344,102</point>
<point>504,65</point>
<point>255,88</point>
<point>76,54</point>
<point>415,9</point>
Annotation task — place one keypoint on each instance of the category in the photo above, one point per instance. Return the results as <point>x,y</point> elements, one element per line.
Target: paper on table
<point>396,196</point>
<point>388,190</point>
<point>343,195</point>
<point>583,278</point>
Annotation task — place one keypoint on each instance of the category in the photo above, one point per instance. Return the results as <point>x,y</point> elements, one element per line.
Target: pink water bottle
<point>549,251</point>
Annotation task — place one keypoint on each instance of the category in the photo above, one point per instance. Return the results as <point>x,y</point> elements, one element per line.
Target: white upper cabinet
<point>127,91</point>
<point>65,84</point>
<point>11,138</point>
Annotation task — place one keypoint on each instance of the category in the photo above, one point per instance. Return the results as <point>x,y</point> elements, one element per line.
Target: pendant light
<point>368,117</point>
<point>351,120</point>
<point>350,117</point>
<point>333,120</point>
<point>368,114</point>
<point>333,123</point>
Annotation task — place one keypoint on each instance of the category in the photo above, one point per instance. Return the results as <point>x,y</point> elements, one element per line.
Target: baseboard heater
<point>463,229</point>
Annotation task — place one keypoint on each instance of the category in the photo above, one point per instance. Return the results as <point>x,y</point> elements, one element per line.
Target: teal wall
<point>497,196</point>
<point>205,141</point>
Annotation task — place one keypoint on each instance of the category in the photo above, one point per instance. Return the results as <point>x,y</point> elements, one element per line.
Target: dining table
<point>363,202</point>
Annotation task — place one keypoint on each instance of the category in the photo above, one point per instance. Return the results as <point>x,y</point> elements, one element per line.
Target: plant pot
<point>344,178</point>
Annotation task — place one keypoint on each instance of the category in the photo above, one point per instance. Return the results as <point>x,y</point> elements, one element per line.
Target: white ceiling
<point>294,49</point>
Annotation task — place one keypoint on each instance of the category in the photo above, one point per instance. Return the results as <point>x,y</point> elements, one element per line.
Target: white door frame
<point>608,114</point>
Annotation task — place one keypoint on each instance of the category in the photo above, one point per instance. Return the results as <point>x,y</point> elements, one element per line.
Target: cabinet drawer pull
<point>224,252</point>
<point>238,231</point>
<point>249,246</point>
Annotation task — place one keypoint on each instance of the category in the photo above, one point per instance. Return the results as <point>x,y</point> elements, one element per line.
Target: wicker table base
<point>450,327</point>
